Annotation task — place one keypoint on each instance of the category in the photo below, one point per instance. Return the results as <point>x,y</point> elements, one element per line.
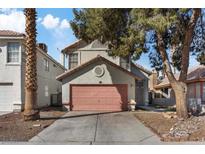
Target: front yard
<point>169,128</point>
<point>14,128</point>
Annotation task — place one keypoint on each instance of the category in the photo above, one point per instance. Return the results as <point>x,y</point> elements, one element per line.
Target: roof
<point>83,46</point>
<point>96,59</point>
<point>11,33</point>
<point>195,74</point>
<point>77,44</point>
<point>95,45</point>
<point>141,68</point>
<point>50,57</point>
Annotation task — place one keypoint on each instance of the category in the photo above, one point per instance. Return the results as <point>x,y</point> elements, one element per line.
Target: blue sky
<point>53,29</point>
<point>55,39</point>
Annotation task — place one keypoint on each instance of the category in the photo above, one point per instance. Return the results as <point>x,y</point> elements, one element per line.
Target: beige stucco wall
<point>9,94</point>
<point>86,76</point>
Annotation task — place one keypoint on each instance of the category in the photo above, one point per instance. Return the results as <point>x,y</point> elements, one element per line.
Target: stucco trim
<point>96,59</point>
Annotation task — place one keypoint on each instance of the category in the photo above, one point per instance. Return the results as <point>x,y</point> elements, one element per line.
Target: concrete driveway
<point>96,128</point>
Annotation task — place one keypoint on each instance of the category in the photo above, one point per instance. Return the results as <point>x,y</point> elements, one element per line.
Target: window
<point>46,64</point>
<point>73,60</point>
<point>13,52</point>
<point>192,90</point>
<point>124,62</point>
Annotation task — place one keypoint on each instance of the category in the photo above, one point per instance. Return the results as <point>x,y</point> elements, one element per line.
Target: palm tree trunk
<point>30,109</point>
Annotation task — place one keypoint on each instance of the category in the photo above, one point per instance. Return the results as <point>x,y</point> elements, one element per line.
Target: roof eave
<point>142,69</point>
<point>66,74</point>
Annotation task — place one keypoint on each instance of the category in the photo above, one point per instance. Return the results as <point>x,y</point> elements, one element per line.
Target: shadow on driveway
<point>76,114</point>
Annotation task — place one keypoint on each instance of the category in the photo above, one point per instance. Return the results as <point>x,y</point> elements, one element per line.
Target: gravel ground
<point>14,128</point>
<point>169,128</point>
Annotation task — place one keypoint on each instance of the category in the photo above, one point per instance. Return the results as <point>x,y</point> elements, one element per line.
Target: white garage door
<point>6,99</point>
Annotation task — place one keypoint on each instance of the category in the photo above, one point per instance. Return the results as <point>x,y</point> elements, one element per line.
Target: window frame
<point>124,62</point>
<point>46,64</point>
<point>19,53</point>
<point>72,60</point>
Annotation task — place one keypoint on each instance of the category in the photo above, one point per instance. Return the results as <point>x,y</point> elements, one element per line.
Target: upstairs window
<point>73,60</point>
<point>124,62</point>
<point>13,52</point>
<point>46,64</point>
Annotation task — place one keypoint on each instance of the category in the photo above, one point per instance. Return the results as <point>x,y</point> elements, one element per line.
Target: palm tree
<point>31,111</point>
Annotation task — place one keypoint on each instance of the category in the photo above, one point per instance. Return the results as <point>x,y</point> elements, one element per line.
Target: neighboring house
<point>164,95</point>
<point>97,81</point>
<point>12,69</point>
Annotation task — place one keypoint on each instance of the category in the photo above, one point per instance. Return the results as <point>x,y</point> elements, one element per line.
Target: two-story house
<point>97,81</point>
<point>12,69</point>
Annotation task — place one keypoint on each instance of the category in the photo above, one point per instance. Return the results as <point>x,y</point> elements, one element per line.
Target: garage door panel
<point>97,108</point>
<point>95,97</point>
<point>97,92</point>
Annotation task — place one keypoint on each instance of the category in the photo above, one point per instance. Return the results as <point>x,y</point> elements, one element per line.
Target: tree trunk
<point>30,109</point>
<point>187,42</point>
<point>180,88</point>
<point>180,91</point>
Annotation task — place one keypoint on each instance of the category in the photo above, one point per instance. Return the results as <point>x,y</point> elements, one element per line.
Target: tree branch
<point>166,63</point>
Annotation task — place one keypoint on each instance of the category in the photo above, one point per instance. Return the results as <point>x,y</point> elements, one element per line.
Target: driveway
<point>96,128</point>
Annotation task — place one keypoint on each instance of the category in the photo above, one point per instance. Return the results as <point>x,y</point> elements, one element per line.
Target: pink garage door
<point>99,97</point>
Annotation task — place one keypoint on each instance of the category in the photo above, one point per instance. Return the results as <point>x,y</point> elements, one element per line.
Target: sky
<point>53,29</point>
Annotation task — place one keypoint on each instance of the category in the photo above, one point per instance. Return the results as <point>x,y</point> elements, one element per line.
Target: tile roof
<point>10,33</point>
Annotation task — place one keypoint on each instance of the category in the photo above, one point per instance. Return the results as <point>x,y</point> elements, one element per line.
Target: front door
<point>139,91</point>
